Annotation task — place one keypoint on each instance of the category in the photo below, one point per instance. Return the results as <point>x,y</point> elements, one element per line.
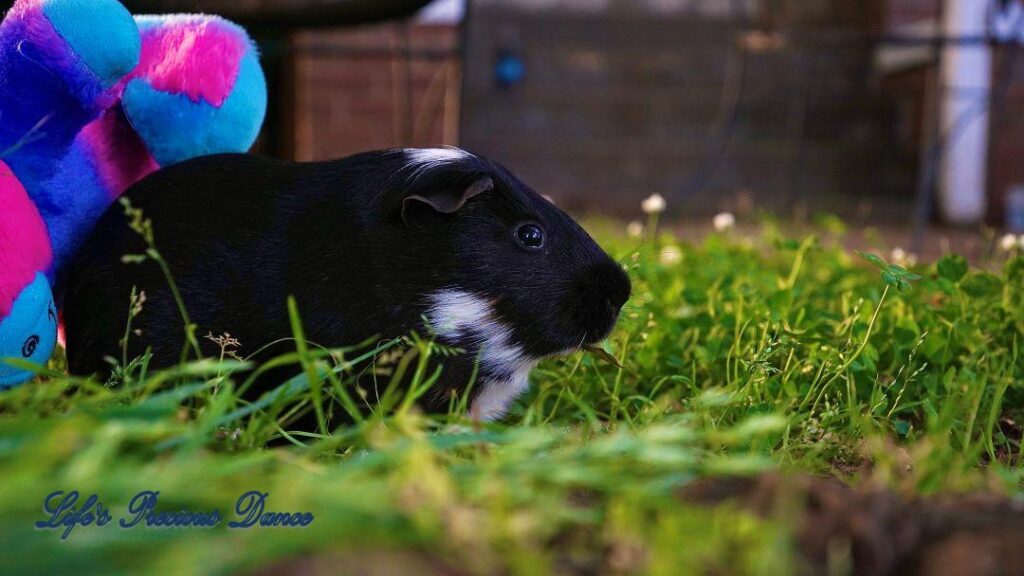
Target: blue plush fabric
<point>61,62</point>
<point>76,195</point>
<point>102,33</point>
<point>29,332</point>
<point>169,123</point>
<point>40,116</point>
<point>47,92</point>
<point>241,116</point>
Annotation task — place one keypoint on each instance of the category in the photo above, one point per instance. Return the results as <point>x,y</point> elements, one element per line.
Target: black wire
<point>698,181</point>
<point>924,197</point>
<point>726,128</point>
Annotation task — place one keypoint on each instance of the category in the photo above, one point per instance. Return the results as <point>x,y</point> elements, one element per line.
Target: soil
<point>838,530</point>
<point>875,532</point>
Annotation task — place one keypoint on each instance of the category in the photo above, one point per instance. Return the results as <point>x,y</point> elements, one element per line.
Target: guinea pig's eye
<point>530,236</point>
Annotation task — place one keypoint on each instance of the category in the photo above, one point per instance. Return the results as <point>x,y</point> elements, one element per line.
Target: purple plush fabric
<point>72,140</point>
<point>46,94</point>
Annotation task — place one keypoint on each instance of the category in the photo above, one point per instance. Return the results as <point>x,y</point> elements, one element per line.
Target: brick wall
<point>375,87</point>
<point>623,98</point>
<point>619,103</point>
<point>902,12</point>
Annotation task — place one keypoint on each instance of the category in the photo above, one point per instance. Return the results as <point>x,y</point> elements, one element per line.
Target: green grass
<point>737,356</point>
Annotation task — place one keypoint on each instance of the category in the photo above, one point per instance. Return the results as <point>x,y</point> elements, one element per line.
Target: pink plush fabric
<point>22,6</point>
<point>118,154</point>
<point>24,244</point>
<point>198,56</point>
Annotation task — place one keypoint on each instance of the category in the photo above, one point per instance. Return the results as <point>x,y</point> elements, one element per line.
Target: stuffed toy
<point>92,100</point>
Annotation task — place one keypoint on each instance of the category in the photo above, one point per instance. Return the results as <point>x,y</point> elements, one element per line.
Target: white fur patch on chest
<point>497,395</point>
<point>461,318</point>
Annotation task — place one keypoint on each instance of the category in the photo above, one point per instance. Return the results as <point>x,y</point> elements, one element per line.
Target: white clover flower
<point>903,258</point>
<point>670,256</point>
<point>724,221</point>
<point>635,229</point>
<point>654,205</point>
<point>1008,242</point>
<point>686,311</point>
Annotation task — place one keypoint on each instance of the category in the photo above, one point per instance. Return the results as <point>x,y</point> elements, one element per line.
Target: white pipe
<point>967,82</point>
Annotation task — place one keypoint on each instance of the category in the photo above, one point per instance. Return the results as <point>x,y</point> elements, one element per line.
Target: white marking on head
<point>422,160</point>
<point>464,319</point>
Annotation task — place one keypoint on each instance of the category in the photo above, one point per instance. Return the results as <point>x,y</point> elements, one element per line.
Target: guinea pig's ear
<point>446,200</point>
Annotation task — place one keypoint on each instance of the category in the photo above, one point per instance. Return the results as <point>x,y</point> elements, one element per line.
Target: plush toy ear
<point>446,200</point>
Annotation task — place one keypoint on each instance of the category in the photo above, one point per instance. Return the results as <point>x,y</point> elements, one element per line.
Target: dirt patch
<point>875,532</point>
<point>837,530</point>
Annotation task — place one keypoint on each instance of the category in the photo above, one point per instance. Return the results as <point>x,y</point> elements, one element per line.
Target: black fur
<point>241,233</point>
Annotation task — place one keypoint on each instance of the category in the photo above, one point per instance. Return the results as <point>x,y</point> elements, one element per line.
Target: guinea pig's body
<point>377,244</point>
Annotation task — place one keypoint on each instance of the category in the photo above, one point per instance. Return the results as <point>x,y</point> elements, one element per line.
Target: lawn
<point>761,359</point>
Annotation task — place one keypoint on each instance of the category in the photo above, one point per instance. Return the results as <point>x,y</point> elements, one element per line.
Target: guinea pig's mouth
<point>588,342</point>
<point>587,327</point>
<point>594,301</point>
<point>594,349</point>
<point>602,324</point>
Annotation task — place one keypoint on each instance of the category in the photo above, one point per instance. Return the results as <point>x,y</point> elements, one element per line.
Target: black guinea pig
<point>372,245</point>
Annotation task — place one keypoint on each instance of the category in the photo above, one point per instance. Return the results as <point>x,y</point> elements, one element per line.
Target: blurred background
<point>903,113</point>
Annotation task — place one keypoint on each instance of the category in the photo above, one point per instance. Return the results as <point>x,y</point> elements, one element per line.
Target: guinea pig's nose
<point>618,286</point>
<point>603,287</point>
